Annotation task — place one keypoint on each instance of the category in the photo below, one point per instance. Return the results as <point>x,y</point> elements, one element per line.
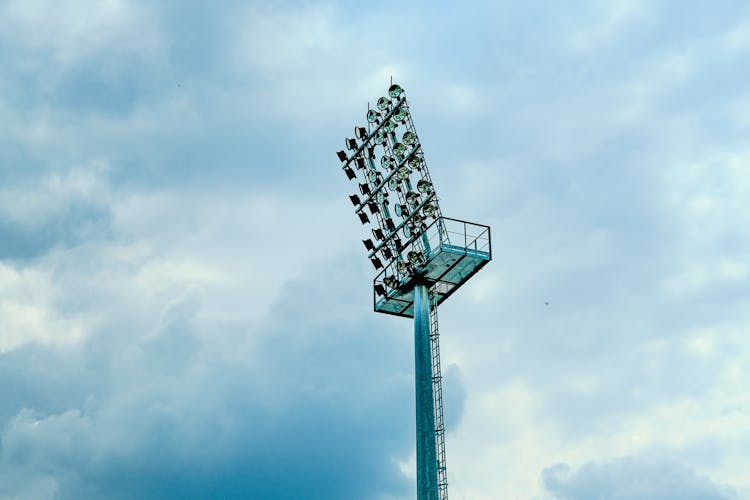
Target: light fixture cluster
<point>395,192</point>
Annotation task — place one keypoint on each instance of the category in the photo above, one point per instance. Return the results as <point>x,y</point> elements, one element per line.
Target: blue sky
<point>185,306</point>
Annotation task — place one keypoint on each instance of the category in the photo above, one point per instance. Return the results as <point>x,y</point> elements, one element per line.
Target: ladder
<point>437,394</point>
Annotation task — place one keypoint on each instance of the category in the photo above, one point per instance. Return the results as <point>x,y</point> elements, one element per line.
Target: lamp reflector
<point>417,220</point>
<point>390,126</point>
<point>415,257</point>
<point>390,225</point>
<point>407,232</point>
<point>372,116</point>
<point>393,184</point>
<point>360,162</point>
<point>399,149</point>
<point>403,172</point>
<point>424,186</point>
<point>369,245</point>
<point>376,262</point>
<point>412,198</point>
<point>395,90</point>
<point>342,155</point>
<point>360,132</point>
<point>383,103</point>
<point>364,189</point>
<point>378,233</point>
<point>380,289</point>
<point>409,138</point>
<point>380,137</point>
<point>373,207</point>
<point>401,210</point>
<point>415,162</point>
<point>372,176</point>
<point>382,196</point>
<point>349,173</point>
<point>351,144</point>
<point>387,253</point>
<point>403,268</point>
<point>355,200</point>
<point>387,162</point>
<point>400,114</point>
<point>363,217</point>
<point>429,210</point>
<point>391,281</point>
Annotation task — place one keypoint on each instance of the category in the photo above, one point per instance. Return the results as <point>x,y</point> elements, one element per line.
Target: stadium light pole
<point>421,257</point>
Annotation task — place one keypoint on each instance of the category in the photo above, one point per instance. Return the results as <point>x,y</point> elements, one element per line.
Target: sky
<point>185,302</point>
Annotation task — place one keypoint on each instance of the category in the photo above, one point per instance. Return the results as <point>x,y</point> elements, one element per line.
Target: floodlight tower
<point>422,257</point>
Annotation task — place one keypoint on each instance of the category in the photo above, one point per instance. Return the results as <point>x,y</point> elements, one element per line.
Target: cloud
<point>631,478</point>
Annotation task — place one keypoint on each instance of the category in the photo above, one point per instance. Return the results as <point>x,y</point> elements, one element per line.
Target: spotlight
<point>351,144</point>
<point>373,176</point>
<point>363,217</point>
<point>360,132</point>
<point>373,207</point>
<point>424,186</point>
<point>404,268</point>
<point>393,184</point>
<point>391,282</point>
<point>417,220</point>
<point>397,244</point>
<point>368,244</point>
<point>390,126</point>
<point>376,262</point>
<point>342,155</point>
<point>360,162</point>
<point>407,231</point>
<point>400,114</point>
<point>401,210</point>
<point>395,91</point>
<point>429,210</point>
<point>380,137</point>
<point>383,103</point>
<point>387,253</point>
<point>409,138</point>
<point>349,173</point>
<point>415,162</point>
<point>355,200</point>
<point>415,257</point>
<point>372,116</point>
<point>387,162</point>
<point>364,189</point>
<point>412,198</point>
<point>403,172</point>
<point>382,196</point>
<point>399,149</point>
<point>390,225</point>
<point>380,289</point>
<point>378,233</point>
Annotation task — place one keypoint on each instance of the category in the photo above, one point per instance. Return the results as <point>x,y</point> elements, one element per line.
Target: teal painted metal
<point>427,477</point>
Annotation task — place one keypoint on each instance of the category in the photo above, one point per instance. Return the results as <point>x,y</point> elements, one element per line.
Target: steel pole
<point>427,479</point>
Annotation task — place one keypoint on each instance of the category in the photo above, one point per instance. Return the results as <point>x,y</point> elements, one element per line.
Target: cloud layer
<point>185,308</point>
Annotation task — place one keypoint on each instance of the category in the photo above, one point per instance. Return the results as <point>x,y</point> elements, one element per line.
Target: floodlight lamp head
<point>363,217</point>
<point>351,144</point>
<point>395,91</point>
<point>412,198</point>
<point>342,155</point>
<point>399,149</point>
<point>360,132</point>
<point>400,114</point>
<point>424,186</point>
<point>355,200</point>
<point>390,126</point>
<point>349,173</point>
<point>372,116</point>
<point>409,137</point>
<point>383,103</point>
<point>391,282</point>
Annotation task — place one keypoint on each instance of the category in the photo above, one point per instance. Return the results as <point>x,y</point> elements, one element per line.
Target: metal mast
<point>424,258</point>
